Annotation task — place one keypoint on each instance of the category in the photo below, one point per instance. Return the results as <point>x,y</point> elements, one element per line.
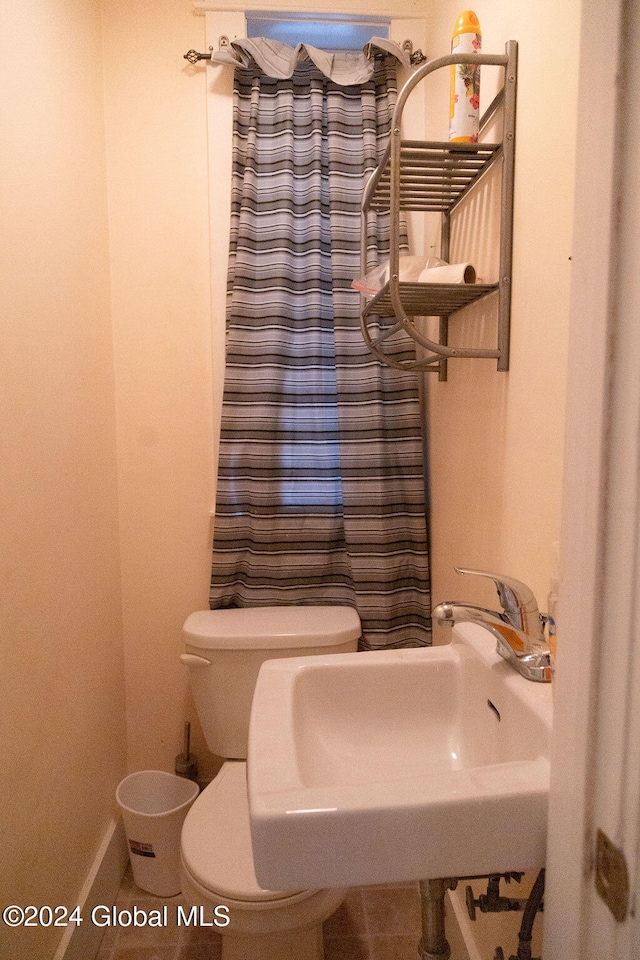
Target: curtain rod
<point>416,57</point>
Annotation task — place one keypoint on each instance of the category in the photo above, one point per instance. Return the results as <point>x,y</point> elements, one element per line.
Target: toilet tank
<point>224,650</point>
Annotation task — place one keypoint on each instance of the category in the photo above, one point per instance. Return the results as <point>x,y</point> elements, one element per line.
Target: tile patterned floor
<point>374,923</point>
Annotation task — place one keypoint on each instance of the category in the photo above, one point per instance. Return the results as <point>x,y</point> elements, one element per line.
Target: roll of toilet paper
<point>449,273</point>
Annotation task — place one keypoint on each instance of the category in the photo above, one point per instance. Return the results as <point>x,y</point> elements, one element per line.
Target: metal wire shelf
<point>437,176</point>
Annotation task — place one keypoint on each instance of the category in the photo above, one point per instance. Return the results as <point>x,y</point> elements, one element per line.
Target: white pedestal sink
<point>397,765</point>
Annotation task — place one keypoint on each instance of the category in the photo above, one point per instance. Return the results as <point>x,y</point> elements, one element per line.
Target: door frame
<point>595,780</point>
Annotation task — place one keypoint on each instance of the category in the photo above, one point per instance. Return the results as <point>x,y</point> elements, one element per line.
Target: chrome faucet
<point>519,628</point>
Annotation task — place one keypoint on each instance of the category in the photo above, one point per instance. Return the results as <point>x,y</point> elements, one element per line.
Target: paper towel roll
<point>449,273</point>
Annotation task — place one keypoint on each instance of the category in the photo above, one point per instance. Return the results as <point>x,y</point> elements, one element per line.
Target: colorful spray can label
<point>464,106</point>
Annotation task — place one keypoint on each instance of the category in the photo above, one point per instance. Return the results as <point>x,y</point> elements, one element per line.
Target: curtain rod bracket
<point>415,57</point>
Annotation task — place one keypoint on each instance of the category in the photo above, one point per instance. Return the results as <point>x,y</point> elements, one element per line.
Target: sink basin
<point>397,765</point>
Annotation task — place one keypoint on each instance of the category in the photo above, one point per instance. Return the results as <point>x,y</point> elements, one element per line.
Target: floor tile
<point>347,948</point>
<point>198,949</point>
<point>374,923</point>
<point>394,948</point>
<point>144,953</point>
<point>349,919</point>
<point>393,910</point>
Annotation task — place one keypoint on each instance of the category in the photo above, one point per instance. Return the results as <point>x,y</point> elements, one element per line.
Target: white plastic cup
<point>154,805</point>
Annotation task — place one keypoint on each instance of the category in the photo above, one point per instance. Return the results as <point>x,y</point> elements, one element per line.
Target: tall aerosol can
<point>464,106</point>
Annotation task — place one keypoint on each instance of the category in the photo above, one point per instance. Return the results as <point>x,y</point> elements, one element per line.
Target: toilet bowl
<point>224,651</point>
<point>217,871</point>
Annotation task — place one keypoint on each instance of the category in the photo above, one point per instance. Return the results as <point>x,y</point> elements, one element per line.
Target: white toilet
<point>224,652</point>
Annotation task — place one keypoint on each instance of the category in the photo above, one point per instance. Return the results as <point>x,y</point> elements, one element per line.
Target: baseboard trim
<point>101,886</point>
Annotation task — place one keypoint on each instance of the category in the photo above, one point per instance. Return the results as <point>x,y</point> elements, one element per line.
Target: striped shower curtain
<point>321,495</point>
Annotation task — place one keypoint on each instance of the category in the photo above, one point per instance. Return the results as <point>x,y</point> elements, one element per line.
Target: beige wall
<point>61,699</point>
<point>497,439</point>
<point>156,134</point>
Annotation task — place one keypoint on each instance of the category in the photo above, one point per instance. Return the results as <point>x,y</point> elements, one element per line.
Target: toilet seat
<point>216,844</point>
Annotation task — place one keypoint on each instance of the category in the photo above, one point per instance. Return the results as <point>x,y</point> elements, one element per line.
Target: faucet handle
<point>517,599</point>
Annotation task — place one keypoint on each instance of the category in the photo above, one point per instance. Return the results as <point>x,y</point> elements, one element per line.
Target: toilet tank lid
<point>271,628</point>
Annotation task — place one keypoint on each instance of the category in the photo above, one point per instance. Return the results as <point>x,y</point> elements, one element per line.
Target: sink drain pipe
<point>433,944</point>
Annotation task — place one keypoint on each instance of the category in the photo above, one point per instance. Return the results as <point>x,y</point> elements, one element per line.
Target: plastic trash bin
<point>153,805</point>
